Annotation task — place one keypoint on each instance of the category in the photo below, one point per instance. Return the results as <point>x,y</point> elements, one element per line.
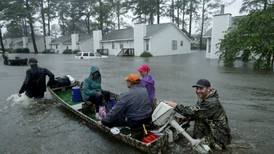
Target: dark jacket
<point>210,120</point>
<point>35,82</point>
<point>133,105</point>
<point>90,85</point>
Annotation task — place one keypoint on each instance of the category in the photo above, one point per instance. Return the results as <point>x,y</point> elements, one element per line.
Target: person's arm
<point>25,83</point>
<point>202,112</point>
<point>87,91</point>
<point>117,110</point>
<point>51,77</point>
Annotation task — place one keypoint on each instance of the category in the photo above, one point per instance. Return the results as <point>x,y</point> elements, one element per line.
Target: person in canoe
<point>34,85</point>
<point>134,107</point>
<point>211,122</point>
<point>147,81</point>
<point>92,91</point>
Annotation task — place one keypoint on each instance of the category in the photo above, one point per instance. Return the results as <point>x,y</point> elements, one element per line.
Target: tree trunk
<point>101,24</point>
<point>202,27</point>
<point>178,16</point>
<point>44,23</point>
<point>190,17</point>
<point>1,41</point>
<point>158,11</point>
<point>88,24</point>
<point>48,17</point>
<point>31,28</point>
<point>183,20</point>
<point>265,4</point>
<point>172,11</point>
<point>272,62</point>
<point>118,14</point>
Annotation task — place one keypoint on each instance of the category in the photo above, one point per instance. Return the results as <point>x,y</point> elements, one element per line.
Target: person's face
<point>202,92</point>
<point>128,84</point>
<point>95,75</point>
<point>143,73</point>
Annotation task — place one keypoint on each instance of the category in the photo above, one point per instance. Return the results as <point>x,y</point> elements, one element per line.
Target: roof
<point>66,39</point>
<point>234,20</point>
<point>128,33</point>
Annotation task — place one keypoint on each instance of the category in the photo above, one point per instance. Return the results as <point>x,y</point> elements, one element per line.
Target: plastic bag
<point>102,111</point>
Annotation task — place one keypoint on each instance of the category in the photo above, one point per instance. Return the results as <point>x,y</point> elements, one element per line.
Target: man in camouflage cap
<point>211,122</point>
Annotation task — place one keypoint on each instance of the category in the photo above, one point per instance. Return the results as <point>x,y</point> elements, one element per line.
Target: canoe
<point>18,62</point>
<point>63,96</point>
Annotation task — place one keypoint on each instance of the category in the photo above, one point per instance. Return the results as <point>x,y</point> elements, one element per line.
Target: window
<point>85,54</point>
<point>121,45</point>
<point>147,45</point>
<point>209,45</point>
<point>113,45</point>
<point>182,43</point>
<point>56,46</point>
<point>174,44</point>
<point>91,54</point>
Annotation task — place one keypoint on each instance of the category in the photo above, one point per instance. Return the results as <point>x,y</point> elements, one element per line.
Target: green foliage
<point>251,38</point>
<point>69,51</point>
<point>48,51</point>
<point>21,50</point>
<point>146,54</point>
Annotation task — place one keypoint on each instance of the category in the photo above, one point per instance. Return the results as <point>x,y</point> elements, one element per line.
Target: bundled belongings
<point>63,81</point>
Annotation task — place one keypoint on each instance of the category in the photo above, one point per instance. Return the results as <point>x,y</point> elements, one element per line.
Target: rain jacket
<point>133,105</point>
<point>149,82</point>
<point>210,119</point>
<point>91,87</point>
<point>35,82</point>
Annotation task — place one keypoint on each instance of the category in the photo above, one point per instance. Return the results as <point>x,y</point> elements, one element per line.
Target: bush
<point>69,51</point>
<point>75,51</point>
<point>48,51</point>
<point>146,54</point>
<point>21,50</point>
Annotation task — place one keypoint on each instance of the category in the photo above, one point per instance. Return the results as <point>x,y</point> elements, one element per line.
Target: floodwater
<point>247,96</point>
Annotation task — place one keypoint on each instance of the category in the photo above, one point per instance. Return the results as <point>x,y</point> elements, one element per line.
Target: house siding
<point>161,43</point>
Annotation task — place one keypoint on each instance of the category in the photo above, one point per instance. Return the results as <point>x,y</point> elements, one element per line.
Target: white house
<point>83,42</point>
<point>158,39</point>
<point>221,23</point>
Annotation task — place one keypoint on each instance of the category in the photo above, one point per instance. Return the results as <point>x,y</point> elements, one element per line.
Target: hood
<point>148,79</point>
<point>94,69</point>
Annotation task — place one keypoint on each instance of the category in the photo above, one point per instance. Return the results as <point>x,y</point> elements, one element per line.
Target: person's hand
<point>171,103</point>
<point>99,93</point>
<point>99,123</point>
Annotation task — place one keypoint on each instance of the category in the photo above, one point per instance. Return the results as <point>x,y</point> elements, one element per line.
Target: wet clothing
<point>91,89</point>
<point>35,82</point>
<point>149,82</point>
<point>91,85</point>
<point>133,106</point>
<point>210,119</point>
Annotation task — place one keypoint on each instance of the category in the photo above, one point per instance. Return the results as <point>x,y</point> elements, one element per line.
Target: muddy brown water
<point>247,96</point>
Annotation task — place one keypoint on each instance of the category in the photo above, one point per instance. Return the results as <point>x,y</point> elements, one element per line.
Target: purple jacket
<point>149,82</point>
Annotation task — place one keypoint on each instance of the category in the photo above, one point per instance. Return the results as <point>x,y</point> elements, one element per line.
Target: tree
<point>3,5</point>
<point>249,5</point>
<point>145,10</point>
<point>120,7</point>
<point>251,38</point>
<point>192,10</point>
